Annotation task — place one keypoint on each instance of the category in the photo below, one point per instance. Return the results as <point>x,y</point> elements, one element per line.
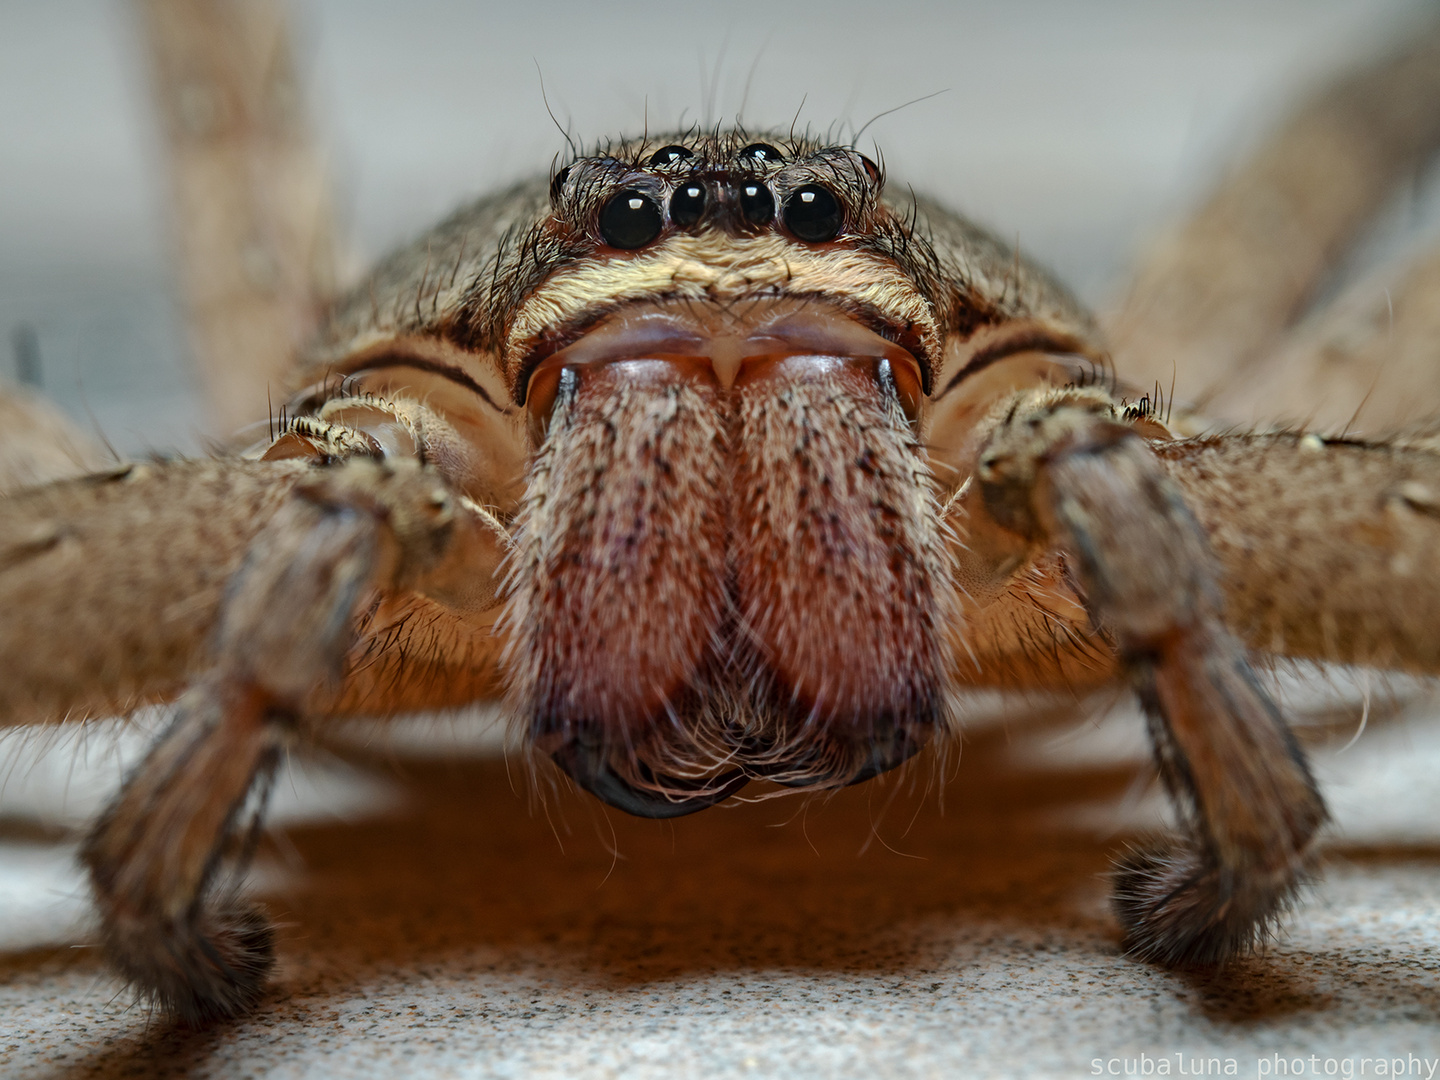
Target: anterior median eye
<point>757,204</point>
<point>687,205</point>
<point>630,220</point>
<point>813,214</point>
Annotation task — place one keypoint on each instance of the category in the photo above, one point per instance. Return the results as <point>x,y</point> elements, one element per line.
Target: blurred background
<point>1075,128</point>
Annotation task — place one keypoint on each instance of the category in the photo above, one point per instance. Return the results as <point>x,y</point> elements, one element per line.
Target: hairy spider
<point>724,462</point>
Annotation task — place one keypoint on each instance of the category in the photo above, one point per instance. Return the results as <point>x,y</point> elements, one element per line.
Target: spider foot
<point>212,967</point>
<point>1179,908</point>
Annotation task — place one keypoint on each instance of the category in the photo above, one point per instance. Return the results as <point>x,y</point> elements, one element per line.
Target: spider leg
<point>250,216</point>
<point>1062,474</point>
<point>284,630</point>
<point>111,586</point>
<point>1216,296</point>
<point>1329,548</point>
<point>1367,361</point>
<point>249,581</point>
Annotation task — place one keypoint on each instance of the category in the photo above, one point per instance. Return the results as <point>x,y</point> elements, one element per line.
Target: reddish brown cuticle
<point>725,350</point>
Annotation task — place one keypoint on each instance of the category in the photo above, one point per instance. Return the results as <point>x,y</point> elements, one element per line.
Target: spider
<point>725,462</point>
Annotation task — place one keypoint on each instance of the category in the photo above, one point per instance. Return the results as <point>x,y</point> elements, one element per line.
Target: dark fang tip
<point>589,766</point>
<point>887,754</point>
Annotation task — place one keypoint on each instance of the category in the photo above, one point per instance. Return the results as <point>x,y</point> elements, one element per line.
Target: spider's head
<point>724,231</point>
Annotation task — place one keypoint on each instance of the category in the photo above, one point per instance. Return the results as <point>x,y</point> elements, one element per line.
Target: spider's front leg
<point>284,629</point>
<point>319,547</point>
<point>1060,472</point>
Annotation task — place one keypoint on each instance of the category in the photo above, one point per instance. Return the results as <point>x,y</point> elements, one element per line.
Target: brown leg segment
<point>1216,296</point>
<point>285,627</point>
<point>111,585</point>
<point>1367,363</point>
<point>250,207</point>
<point>1329,548</point>
<point>154,854</point>
<point>1071,478</point>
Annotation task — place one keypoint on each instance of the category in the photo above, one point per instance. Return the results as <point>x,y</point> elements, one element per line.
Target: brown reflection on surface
<point>486,858</point>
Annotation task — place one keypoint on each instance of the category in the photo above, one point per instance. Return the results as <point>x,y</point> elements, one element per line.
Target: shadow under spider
<point>477,879</point>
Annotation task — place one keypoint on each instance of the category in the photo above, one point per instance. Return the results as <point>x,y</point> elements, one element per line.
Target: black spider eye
<point>558,183</point>
<point>630,220</point>
<point>812,213</point>
<point>687,204</point>
<point>757,204</point>
<point>760,151</point>
<point>668,155</point>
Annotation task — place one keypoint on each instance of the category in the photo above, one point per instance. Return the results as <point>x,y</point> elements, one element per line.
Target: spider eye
<point>812,213</point>
<point>757,204</point>
<point>687,204</point>
<point>761,152</point>
<point>630,220</point>
<point>668,155</point>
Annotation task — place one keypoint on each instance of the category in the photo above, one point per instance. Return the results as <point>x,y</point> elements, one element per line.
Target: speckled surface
<point>474,930</point>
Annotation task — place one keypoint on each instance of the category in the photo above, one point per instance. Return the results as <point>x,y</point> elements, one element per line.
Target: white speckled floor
<point>452,926</point>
